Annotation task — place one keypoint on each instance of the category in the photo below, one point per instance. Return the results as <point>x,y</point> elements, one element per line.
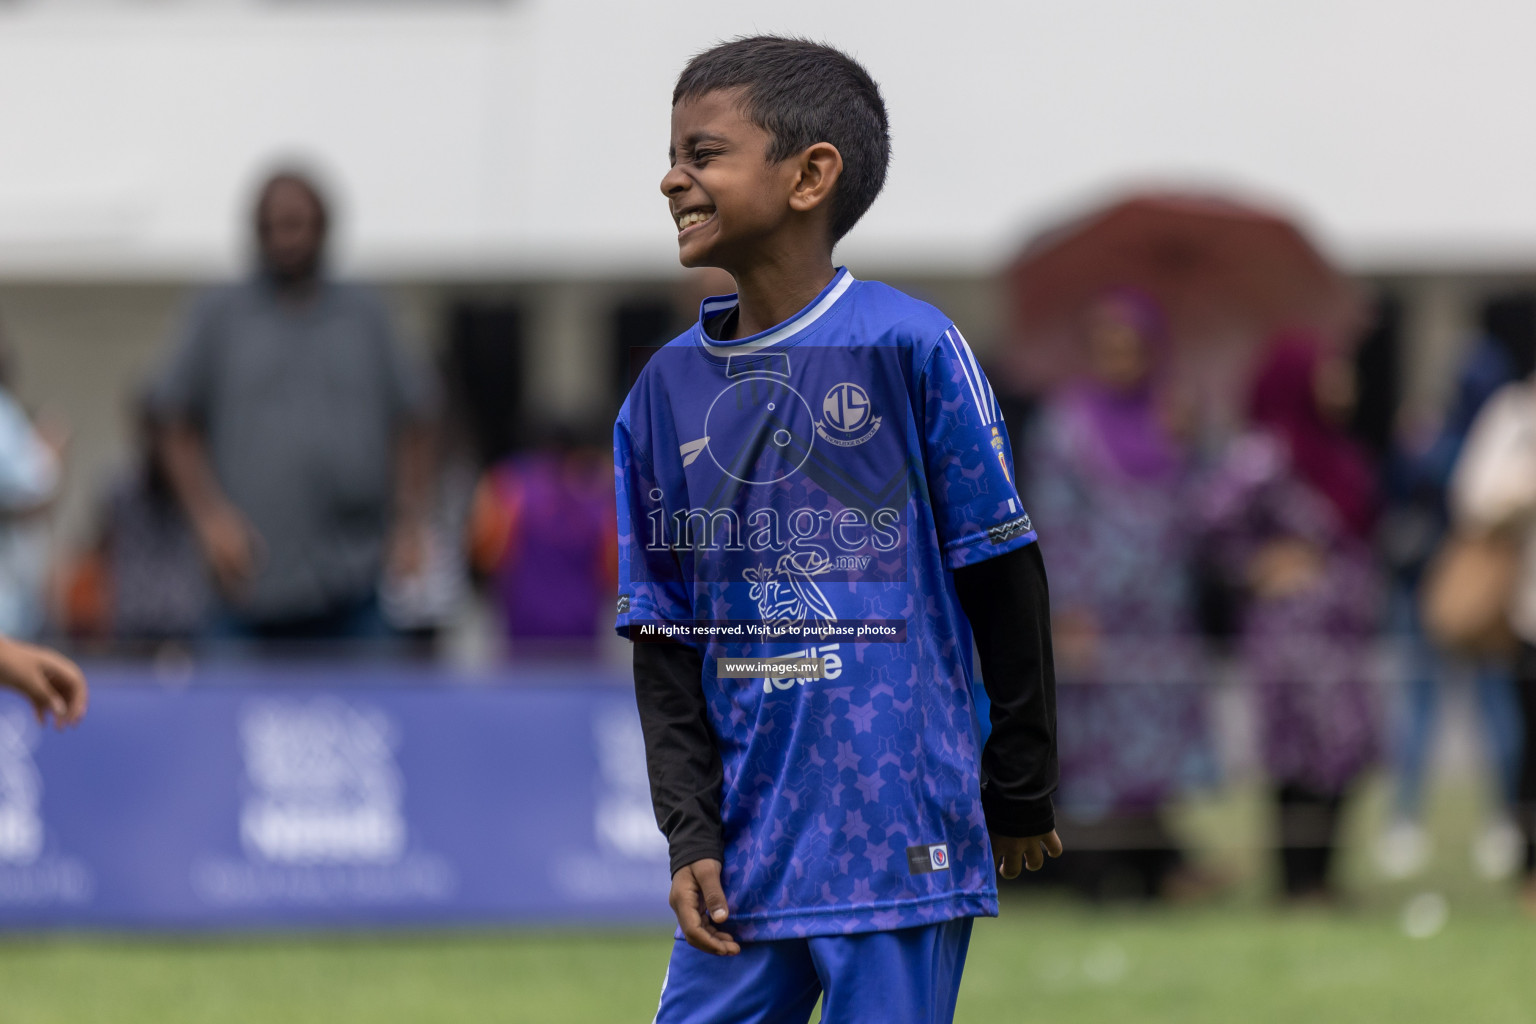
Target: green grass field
<point>1047,958</point>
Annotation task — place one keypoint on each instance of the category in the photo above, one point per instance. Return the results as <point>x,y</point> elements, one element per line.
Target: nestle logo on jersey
<point>831,667</point>
<point>1004,532</point>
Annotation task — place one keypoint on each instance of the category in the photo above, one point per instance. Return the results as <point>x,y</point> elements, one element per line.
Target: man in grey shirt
<point>294,436</point>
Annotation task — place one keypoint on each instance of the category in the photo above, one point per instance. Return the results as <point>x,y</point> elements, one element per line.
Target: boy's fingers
<point>719,943</point>
<point>707,872</point>
<point>1018,853</point>
<point>1012,863</point>
<point>690,901</point>
<point>701,935</point>
<point>692,925</point>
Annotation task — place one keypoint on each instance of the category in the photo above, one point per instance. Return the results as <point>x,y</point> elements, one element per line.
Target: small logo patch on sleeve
<point>1004,532</point>
<point>922,860</point>
<point>623,604</point>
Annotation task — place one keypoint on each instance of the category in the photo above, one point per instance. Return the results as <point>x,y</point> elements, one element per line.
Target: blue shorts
<point>873,978</point>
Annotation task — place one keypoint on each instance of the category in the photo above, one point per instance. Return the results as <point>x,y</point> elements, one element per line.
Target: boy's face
<point>726,197</point>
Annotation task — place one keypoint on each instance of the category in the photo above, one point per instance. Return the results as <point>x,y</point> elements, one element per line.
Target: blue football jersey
<point>807,492</point>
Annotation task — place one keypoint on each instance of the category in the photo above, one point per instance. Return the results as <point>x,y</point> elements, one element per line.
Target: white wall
<point>526,137</point>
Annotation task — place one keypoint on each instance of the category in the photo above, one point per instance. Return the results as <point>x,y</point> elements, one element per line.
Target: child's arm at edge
<point>49,681</point>
<point>683,762</point>
<point>1007,602</point>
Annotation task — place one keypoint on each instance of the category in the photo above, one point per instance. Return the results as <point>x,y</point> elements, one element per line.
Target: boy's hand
<point>51,682</point>
<point>1030,852</point>
<point>698,900</point>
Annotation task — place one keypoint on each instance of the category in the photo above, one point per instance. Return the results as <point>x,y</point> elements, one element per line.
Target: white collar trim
<point>783,332</point>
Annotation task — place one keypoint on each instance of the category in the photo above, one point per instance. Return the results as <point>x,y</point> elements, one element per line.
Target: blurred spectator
<point>30,473</point>
<point>1413,528</point>
<point>1110,487</point>
<point>144,584</point>
<point>294,438</point>
<point>423,605</point>
<point>1493,494</point>
<point>1292,509</point>
<point>543,531</point>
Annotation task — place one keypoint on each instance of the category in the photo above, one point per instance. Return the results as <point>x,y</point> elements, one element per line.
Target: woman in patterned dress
<point>1110,490</point>
<point>1291,511</point>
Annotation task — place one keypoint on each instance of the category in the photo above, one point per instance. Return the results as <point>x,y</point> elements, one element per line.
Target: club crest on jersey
<point>1002,460</point>
<point>847,417</point>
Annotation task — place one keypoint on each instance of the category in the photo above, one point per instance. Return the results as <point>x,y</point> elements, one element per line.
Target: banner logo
<point>324,786</point>
<point>624,821</point>
<point>33,873</point>
<point>21,791</point>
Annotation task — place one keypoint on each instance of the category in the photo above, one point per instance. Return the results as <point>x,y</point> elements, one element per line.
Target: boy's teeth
<point>687,220</point>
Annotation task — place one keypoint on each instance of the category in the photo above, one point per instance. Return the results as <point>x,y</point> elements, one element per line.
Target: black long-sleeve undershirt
<point>1007,602</point>
<point>682,756</point>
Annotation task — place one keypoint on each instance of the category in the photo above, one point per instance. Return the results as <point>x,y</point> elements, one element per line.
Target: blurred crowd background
<point>314,320</point>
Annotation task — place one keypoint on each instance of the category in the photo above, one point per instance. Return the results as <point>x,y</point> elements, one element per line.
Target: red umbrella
<point>1226,273</point>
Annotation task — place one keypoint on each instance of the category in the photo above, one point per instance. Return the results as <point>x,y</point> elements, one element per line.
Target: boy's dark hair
<point>802,93</point>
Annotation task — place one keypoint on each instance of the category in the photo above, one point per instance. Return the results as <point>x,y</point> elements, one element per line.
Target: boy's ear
<point>817,170</point>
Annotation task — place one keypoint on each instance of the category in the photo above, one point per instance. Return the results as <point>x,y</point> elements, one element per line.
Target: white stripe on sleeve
<point>958,344</point>
<point>988,406</point>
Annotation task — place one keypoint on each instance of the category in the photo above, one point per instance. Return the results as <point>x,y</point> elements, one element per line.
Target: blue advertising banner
<point>332,800</point>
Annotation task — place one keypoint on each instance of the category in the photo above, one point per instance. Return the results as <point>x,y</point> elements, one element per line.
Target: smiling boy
<point>817,471</point>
